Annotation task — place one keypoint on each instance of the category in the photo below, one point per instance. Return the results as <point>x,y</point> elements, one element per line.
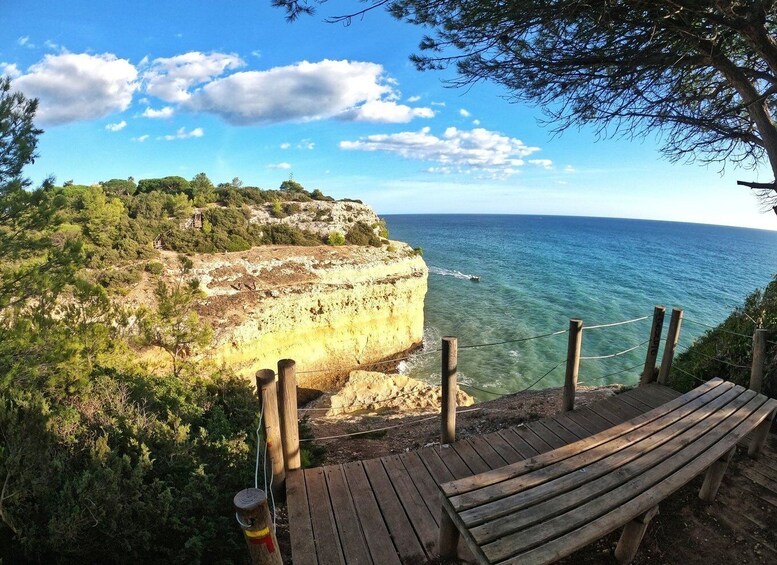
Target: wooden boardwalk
<point>387,510</point>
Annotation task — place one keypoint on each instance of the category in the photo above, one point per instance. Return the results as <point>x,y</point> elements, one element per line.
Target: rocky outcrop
<point>367,391</point>
<point>319,216</point>
<point>328,308</point>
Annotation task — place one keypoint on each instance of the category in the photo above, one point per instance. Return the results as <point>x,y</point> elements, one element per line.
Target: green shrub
<point>155,268</point>
<point>277,211</point>
<point>418,251</point>
<point>362,234</point>
<point>335,238</point>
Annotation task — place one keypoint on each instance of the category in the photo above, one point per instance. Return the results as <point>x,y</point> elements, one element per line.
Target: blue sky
<point>228,88</point>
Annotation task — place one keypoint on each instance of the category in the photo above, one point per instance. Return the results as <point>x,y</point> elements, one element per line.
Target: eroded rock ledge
<point>328,308</point>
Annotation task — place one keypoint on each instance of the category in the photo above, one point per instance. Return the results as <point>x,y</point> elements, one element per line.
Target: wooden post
<point>759,435</point>
<point>449,390</point>
<point>449,535</point>
<point>759,352</point>
<point>649,372</point>
<point>271,423</point>
<point>573,364</point>
<point>632,535</point>
<point>671,342</point>
<point>714,476</point>
<point>287,401</point>
<point>253,515</point>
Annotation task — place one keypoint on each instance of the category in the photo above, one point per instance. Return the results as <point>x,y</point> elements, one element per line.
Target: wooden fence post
<point>271,423</point>
<point>449,390</point>
<point>253,515</point>
<point>672,336</point>
<point>649,372</point>
<point>759,352</point>
<point>287,400</point>
<point>573,364</point>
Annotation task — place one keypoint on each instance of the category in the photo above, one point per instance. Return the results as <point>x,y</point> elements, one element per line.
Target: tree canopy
<point>702,73</point>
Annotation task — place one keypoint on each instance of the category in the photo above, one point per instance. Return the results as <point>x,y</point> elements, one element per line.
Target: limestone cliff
<point>328,308</point>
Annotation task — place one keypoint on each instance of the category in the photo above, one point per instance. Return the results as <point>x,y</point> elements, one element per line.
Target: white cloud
<point>24,41</point>
<point>256,53</point>
<point>386,112</point>
<point>306,144</point>
<point>413,99</point>
<point>477,151</point>
<point>140,138</point>
<point>164,112</point>
<point>475,122</point>
<point>73,87</point>
<point>10,70</point>
<point>48,44</point>
<point>183,134</point>
<point>171,78</point>
<point>117,126</point>
<point>305,92</point>
<point>285,145</point>
<point>464,113</point>
<point>546,164</point>
<point>570,169</point>
<point>282,166</point>
<point>441,104</point>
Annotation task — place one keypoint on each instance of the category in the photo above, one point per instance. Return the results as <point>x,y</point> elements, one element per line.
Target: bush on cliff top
<point>726,351</point>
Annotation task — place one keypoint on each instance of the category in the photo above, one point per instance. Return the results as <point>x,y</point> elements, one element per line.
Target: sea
<point>537,272</point>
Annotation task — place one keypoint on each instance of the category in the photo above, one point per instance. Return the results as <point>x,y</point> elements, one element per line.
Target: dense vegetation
<point>101,459</point>
<point>726,350</point>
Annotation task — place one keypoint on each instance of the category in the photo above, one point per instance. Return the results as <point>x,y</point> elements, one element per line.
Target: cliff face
<point>328,308</point>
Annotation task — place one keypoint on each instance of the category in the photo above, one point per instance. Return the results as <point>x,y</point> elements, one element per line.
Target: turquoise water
<point>537,272</point>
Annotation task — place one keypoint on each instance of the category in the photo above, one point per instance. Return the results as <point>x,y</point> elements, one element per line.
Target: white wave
<point>449,273</point>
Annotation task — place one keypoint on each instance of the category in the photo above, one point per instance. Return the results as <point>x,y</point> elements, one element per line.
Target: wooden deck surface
<point>387,510</point>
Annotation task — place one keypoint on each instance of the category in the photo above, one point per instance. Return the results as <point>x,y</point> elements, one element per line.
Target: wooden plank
<point>593,448</point>
<point>486,452</point>
<point>303,548</point>
<point>436,467</point>
<point>572,425</point>
<point>538,444</point>
<point>635,402</point>
<point>661,391</point>
<point>376,532</point>
<point>631,506</point>
<point>569,491</point>
<point>614,411</point>
<point>454,462</point>
<point>650,395</point>
<point>585,418</point>
<point>559,430</point>
<point>628,410</point>
<point>593,418</point>
<point>403,534</point>
<point>751,485</point>
<point>418,513</point>
<point>324,527</point>
<point>546,434</point>
<point>351,537</point>
<point>500,444</point>
<point>518,443</point>
<point>427,487</point>
<point>470,456</point>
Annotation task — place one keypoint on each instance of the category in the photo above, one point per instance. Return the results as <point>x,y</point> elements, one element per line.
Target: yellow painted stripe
<point>257,533</point>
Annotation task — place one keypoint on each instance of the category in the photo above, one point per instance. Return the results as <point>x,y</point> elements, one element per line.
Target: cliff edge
<point>330,308</point>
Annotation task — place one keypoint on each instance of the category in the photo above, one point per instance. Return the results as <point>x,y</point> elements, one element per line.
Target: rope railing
<point>613,324</point>
<point>589,381</point>
<point>495,393</point>
<point>416,354</point>
<point>618,354</point>
<point>384,428</point>
<point>718,359</point>
<point>716,328</point>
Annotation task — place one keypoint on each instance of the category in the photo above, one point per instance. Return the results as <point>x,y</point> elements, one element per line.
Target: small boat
<point>474,278</point>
